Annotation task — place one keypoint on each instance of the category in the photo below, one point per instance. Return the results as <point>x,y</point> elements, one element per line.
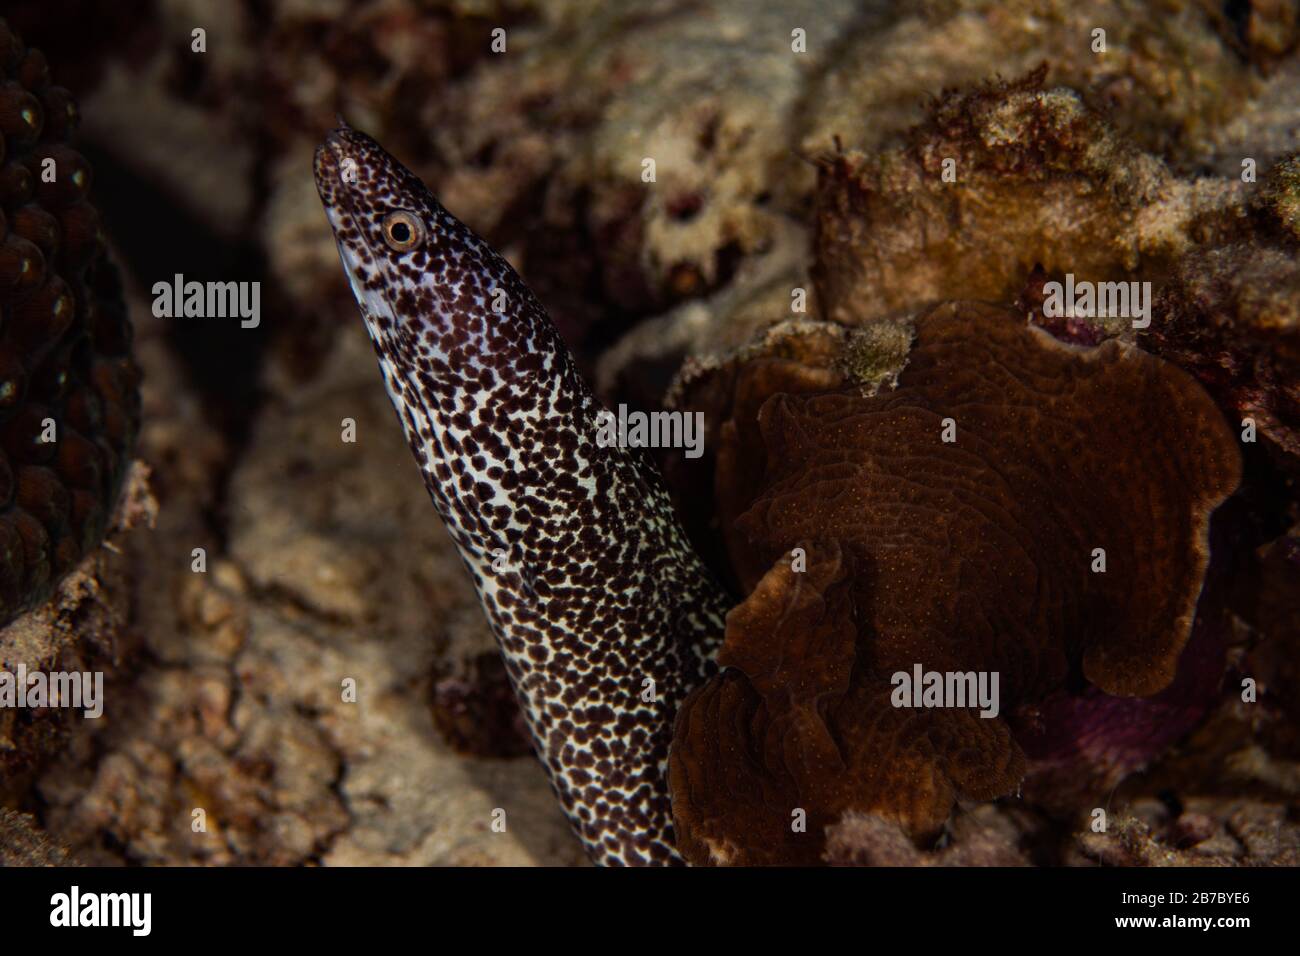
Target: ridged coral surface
<point>66,371</point>
<point>961,554</point>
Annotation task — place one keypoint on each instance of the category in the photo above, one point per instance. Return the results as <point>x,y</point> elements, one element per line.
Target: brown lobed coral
<point>69,403</point>
<point>952,523</point>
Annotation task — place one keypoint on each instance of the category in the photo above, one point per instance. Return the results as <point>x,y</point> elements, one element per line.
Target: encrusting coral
<point>975,552</point>
<point>996,180</point>
<point>1230,314</point>
<point>22,843</point>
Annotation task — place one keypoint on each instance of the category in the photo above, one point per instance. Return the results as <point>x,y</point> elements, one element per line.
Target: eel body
<point>604,615</point>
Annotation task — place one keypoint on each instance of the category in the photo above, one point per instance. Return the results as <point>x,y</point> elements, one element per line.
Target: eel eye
<point>402,231</point>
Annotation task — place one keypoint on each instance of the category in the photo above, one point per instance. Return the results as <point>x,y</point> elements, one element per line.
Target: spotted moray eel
<point>605,617</point>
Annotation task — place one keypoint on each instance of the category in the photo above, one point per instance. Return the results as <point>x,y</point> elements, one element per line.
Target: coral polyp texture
<point>69,402</point>
<point>955,522</point>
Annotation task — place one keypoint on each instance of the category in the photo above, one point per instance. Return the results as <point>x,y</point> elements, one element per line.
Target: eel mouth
<point>328,168</point>
<point>338,196</point>
<point>340,201</point>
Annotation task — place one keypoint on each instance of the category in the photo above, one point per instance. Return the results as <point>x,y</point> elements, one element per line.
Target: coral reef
<point>1231,315</point>
<point>981,838</point>
<point>69,413</point>
<point>972,552</point>
<point>1037,178</point>
<point>83,627</point>
<point>239,710</point>
<point>22,844</point>
<point>798,227</point>
<point>69,406</point>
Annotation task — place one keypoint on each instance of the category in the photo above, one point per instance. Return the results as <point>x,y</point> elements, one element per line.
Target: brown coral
<point>970,555</point>
<point>23,844</point>
<point>64,342</point>
<point>1230,315</point>
<point>999,179</point>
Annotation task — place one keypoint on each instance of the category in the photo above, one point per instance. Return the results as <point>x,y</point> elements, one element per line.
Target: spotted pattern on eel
<point>581,565</point>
